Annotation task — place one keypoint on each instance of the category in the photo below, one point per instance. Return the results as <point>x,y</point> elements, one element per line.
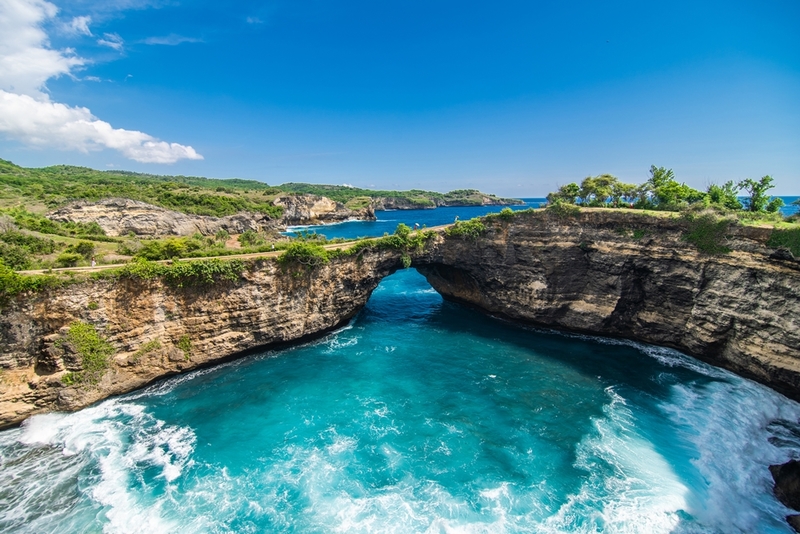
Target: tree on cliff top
<point>758,200</point>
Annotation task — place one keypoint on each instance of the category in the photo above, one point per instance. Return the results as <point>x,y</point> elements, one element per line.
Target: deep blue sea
<point>418,416</point>
<point>388,220</point>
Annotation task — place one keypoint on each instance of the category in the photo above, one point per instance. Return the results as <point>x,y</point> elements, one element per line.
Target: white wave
<point>118,439</point>
<point>629,488</point>
<point>728,424</point>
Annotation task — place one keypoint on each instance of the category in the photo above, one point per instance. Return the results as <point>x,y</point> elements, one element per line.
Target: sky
<point>513,98</point>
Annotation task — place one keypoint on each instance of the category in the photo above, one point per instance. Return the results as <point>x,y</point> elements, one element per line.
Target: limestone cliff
<point>316,209</point>
<point>601,272</point>
<point>119,216</point>
<point>633,276</point>
<point>155,330</point>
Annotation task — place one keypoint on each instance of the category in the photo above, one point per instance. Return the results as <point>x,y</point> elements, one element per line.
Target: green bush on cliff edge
<point>94,351</point>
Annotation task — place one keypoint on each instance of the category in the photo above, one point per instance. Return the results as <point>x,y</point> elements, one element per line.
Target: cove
<point>420,415</point>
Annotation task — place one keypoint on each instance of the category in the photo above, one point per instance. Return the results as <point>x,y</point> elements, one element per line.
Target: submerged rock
<point>787,484</point>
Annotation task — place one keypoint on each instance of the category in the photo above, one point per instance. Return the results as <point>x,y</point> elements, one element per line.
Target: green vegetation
<point>185,344</point>
<point>68,259</point>
<point>707,232</point>
<point>662,191</point>
<point>183,273</point>
<point>12,283</point>
<point>788,238</point>
<point>562,209</point>
<point>145,349</point>
<point>58,185</point>
<point>304,253</point>
<point>94,352</point>
<point>470,230</point>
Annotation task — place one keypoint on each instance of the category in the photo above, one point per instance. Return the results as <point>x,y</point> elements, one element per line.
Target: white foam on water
<point>629,486</point>
<point>728,423</point>
<point>118,439</point>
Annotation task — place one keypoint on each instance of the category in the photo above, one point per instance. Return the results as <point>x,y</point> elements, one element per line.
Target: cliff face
<point>156,330</point>
<point>601,272</point>
<point>119,216</point>
<point>633,276</point>
<point>315,209</point>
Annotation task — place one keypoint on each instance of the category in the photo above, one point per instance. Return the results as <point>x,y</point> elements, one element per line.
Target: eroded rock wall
<point>633,276</point>
<point>157,330</point>
<point>120,216</point>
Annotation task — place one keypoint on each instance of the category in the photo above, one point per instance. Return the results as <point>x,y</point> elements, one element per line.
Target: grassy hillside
<point>50,187</point>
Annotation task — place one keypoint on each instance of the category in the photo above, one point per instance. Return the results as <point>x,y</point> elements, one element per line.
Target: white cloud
<point>111,40</point>
<point>57,125</point>
<point>171,40</point>
<point>28,115</point>
<point>79,26</point>
<point>26,62</point>
<point>254,20</point>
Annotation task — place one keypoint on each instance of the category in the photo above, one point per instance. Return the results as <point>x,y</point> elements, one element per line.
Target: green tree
<point>725,195</point>
<point>667,192</point>
<point>84,248</point>
<point>621,191</point>
<point>566,193</point>
<point>758,200</point>
<point>596,190</point>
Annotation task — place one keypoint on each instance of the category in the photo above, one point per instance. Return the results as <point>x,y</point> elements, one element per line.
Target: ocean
<point>418,416</point>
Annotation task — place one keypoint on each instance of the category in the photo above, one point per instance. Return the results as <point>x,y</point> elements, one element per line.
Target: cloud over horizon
<point>26,111</point>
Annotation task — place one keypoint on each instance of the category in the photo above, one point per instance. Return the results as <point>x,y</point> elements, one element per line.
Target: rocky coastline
<point>601,272</point>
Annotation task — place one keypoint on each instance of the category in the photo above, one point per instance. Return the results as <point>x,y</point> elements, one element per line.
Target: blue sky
<point>515,98</point>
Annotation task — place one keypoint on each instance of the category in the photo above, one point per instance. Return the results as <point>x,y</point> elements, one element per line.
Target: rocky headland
<point>122,216</point>
<point>602,272</point>
<point>316,209</point>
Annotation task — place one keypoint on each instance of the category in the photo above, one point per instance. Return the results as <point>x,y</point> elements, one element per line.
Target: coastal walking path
<point>252,255</point>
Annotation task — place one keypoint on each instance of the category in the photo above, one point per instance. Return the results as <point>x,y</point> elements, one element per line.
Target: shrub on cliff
<point>707,232</point>
<point>94,352</point>
<point>470,230</point>
<point>304,253</point>
<point>786,238</point>
<point>68,259</point>
<point>184,273</point>
<point>563,210</point>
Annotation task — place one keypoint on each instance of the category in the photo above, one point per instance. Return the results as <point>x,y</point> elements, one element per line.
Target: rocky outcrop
<point>121,216</point>
<point>155,330</point>
<point>475,198</point>
<point>631,275</point>
<point>316,209</point>
<point>787,488</point>
<point>602,272</point>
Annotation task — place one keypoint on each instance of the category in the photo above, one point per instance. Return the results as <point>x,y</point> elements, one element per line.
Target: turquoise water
<point>419,416</point>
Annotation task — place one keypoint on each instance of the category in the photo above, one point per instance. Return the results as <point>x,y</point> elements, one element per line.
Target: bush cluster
<point>94,351</point>
<point>184,273</point>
